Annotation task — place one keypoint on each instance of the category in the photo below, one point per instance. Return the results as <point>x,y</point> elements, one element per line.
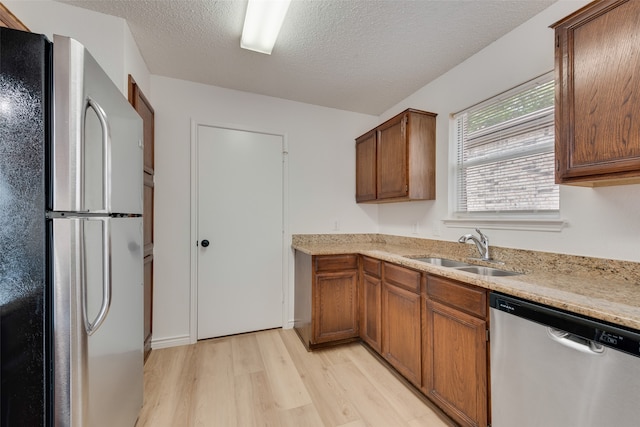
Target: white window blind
<point>505,152</point>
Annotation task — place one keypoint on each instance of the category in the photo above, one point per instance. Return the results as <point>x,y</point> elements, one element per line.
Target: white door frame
<point>195,124</point>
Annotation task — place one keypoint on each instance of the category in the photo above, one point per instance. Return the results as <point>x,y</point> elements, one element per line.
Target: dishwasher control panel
<point>619,341</point>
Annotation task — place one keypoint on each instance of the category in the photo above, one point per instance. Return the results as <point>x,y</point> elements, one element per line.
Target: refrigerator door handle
<point>106,151</point>
<point>92,327</point>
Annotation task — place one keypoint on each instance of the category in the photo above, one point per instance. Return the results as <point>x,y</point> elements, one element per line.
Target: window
<point>505,153</point>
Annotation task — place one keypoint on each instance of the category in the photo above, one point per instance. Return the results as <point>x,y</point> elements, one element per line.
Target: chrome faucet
<point>482,244</point>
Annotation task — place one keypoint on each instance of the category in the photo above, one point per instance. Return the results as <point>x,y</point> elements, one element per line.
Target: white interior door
<point>240,214</point>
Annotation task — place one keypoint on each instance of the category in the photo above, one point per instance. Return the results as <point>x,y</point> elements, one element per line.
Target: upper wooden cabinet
<point>396,161</point>
<point>366,167</point>
<point>9,20</point>
<point>597,98</point>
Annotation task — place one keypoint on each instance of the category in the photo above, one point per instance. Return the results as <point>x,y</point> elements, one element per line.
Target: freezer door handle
<point>106,150</point>
<point>92,327</point>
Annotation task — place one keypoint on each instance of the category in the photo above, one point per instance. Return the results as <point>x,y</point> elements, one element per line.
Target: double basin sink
<point>469,268</point>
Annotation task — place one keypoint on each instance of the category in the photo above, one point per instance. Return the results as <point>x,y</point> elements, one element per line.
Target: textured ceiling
<point>357,55</point>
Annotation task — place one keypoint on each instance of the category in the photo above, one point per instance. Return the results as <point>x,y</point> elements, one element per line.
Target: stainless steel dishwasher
<point>551,368</point>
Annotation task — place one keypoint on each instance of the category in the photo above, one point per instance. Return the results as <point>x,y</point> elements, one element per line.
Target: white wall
<point>321,181</point>
<point>134,64</point>
<point>602,222</point>
<point>108,38</point>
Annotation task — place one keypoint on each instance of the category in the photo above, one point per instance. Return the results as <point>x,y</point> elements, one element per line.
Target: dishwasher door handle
<point>575,342</point>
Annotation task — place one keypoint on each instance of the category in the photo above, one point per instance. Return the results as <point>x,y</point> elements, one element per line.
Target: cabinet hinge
<point>406,188</point>
<point>558,41</point>
<point>487,331</point>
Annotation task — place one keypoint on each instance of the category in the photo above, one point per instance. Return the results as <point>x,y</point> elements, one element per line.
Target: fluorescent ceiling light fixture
<point>262,24</point>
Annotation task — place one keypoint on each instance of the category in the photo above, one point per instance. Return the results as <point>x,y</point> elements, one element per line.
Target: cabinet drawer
<point>336,262</point>
<point>471,299</point>
<point>403,277</point>
<point>371,266</point>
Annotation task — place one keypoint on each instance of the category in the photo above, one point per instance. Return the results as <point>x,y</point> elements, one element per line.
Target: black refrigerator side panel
<point>24,315</point>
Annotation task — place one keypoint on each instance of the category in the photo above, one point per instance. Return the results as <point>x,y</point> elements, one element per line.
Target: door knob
<point>204,243</point>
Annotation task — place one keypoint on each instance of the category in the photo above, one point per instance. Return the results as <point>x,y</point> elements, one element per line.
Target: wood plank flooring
<point>268,378</point>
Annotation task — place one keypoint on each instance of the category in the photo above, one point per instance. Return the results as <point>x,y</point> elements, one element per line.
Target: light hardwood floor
<point>268,378</point>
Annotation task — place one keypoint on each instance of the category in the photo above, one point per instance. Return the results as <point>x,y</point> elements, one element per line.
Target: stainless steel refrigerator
<point>71,255</point>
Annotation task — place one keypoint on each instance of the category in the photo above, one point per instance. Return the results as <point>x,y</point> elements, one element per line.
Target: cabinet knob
<point>204,243</point>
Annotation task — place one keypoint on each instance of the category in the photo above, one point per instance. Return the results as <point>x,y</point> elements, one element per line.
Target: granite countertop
<point>608,290</point>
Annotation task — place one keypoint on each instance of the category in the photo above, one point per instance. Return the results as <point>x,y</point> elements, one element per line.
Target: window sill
<point>522,224</point>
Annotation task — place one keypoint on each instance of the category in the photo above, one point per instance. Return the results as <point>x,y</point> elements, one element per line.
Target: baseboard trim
<point>170,342</point>
<point>186,339</point>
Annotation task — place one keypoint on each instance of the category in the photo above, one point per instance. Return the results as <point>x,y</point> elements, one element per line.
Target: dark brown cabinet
<point>401,316</point>
<point>9,20</point>
<point>335,305</point>
<point>326,308</point>
<point>396,160</point>
<point>366,167</point>
<point>432,330</point>
<point>145,110</point>
<point>371,303</point>
<point>597,58</point>
<point>455,355</point>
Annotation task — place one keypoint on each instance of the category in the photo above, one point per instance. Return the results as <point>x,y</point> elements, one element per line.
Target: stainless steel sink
<point>469,268</point>
<point>443,262</point>
<point>487,271</point>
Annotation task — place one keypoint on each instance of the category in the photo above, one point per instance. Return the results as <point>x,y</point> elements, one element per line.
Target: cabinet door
<point>370,312</point>
<point>392,159</point>
<point>335,314</point>
<point>401,339</point>
<point>148,303</point>
<point>455,363</point>
<point>366,167</point>
<point>303,297</point>
<point>145,110</point>
<point>9,20</point>
<point>597,101</point>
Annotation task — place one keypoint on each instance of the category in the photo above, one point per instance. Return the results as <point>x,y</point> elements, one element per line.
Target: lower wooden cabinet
<point>326,298</point>
<point>148,304</point>
<point>371,303</point>
<point>455,350</point>
<point>431,329</point>
<point>401,338</point>
<point>401,331</point>
<point>335,308</point>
